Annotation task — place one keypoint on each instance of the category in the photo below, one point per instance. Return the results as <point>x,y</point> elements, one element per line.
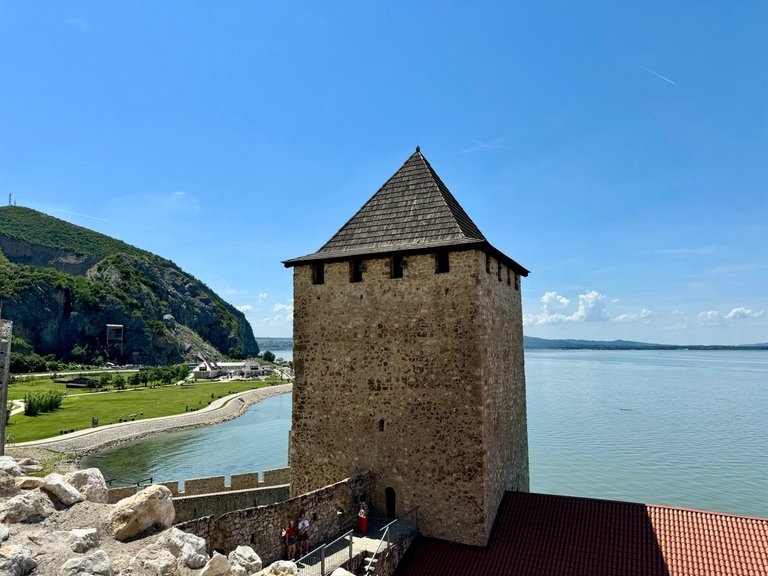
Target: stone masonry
<point>418,376</point>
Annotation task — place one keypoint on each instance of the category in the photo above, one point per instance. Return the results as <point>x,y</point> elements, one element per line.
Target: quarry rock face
<point>152,507</point>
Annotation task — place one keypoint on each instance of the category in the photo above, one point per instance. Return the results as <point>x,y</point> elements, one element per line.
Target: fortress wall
<point>503,376</point>
<point>331,509</point>
<point>213,484</point>
<point>191,507</point>
<point>389,378</point>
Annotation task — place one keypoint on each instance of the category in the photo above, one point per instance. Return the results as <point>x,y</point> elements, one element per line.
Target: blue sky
<point>619,150</point>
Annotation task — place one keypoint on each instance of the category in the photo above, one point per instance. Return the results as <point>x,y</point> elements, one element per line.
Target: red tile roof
<point>541,534</point>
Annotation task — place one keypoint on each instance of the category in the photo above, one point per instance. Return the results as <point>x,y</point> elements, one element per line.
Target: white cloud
<point>591,308</point>
<point>262,296</point>
<point>643,315</point>
<point>245,308</point>
<point>283,308</point>
<point>709,317</point>
<point>742,313</point>
<point>553,309</point>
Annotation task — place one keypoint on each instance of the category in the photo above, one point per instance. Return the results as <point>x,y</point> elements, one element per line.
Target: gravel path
<point>84,442</point>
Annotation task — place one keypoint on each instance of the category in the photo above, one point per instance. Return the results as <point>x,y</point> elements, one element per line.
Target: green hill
<point>62,284</point>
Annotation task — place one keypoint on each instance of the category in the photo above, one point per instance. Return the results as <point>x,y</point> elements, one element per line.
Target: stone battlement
<point>214,484</point>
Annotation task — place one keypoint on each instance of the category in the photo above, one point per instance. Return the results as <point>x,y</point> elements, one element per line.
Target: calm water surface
<point>683,428</point>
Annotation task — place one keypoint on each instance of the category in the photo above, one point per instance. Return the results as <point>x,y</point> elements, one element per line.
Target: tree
<point>119,382</point>
<point>268,356</point>
<point>105,380</point>
<point>236,353</point>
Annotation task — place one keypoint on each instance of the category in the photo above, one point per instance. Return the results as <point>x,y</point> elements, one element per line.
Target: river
<point>682,428</point>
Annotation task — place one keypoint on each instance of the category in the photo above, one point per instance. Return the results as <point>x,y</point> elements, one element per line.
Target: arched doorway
<point>390,497</point>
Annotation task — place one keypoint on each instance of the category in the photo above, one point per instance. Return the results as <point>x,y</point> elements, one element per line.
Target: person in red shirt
<point>289,532</point>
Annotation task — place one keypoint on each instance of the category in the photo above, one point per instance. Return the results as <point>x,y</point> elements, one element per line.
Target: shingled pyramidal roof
<point>412,212</point>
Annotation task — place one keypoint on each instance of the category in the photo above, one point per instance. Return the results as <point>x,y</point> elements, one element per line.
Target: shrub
<point>40,402</point>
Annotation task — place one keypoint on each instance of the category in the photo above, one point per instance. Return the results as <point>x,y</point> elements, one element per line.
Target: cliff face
<point>62,284</point>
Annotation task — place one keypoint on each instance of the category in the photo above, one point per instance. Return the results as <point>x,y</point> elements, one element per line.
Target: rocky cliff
<point>62,284</point>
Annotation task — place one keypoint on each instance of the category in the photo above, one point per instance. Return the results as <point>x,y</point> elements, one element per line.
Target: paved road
<point>84,441</point>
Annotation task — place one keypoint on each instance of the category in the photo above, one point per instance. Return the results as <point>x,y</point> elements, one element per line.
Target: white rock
<point>8,486</point>
<point>78,540</point>
<point>56,485</point>
<point>16,561</point>
<point>28,465</point>
<point>97,563</point>
<point>27,506</point>
<point>29,482</point>
<point>90,483</point>
<point>3,533</point>
<point>150,507</point>
<point>156,560</point>
<point>341,572</point>
<point>9,465</point>
<point>281,568</point>
<point>102,563</point>
<point>245,557</point>
<point>188,548</point>
<point>217,566</point>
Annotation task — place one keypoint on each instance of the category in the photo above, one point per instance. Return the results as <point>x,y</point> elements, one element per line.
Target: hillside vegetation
<point>62,284</point>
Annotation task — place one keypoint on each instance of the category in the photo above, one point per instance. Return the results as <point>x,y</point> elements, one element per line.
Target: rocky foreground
<point>61,525</point>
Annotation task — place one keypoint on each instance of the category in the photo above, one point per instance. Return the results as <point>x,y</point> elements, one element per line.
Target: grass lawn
<point>110,407</point>
<point>21,387</point>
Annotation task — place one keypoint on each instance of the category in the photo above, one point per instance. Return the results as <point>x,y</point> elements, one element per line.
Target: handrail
<point>322,548</point>
<point>385,537</point>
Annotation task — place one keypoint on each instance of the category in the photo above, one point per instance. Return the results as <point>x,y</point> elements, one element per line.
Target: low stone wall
<point>191,507</point>
<point>214,484</point>
<point>332,510</point>
<point>388,561</point>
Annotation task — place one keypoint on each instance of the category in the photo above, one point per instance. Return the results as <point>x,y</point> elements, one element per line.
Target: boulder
<point>90,483</point>
<point>10,466</point>
<point>4,534</point>
<point>28,465</point>
<point>78,540</point>
<point>98,563</point>
<point>187,548</point>
<point>146,509</point>
<point>28,506</point>
<point>156,560</point>
<point>246,558</point>
<point>281,568</point>
<point>8,486</point>
<point>29,483</point>
<point>16,561</point>
<point>217,566</point>
<point>58,487</point>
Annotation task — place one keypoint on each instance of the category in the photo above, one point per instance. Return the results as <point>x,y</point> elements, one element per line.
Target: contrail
<point>68,212</point>
<point>657,75</point>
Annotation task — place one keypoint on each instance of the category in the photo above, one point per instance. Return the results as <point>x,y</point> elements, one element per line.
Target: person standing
<point>303,537</point>
<point>289,532</point>
<point>362,516</point>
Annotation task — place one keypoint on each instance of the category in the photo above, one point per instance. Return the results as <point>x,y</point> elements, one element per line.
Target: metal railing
<point>326,558</point>
<point>394,531</point>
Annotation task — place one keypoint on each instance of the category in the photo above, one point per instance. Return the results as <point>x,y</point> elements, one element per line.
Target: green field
<point>112,407</point>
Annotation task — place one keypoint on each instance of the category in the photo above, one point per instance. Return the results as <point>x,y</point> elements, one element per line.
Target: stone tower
<point>408,357</point>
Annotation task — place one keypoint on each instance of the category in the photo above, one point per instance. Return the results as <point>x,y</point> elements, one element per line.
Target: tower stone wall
<point>418,379</point>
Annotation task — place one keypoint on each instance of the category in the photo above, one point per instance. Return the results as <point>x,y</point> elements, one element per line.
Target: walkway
<point>221,409</point>
<point>368,544</point>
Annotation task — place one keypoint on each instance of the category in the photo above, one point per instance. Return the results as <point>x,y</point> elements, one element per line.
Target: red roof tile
<point>541,534</point>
